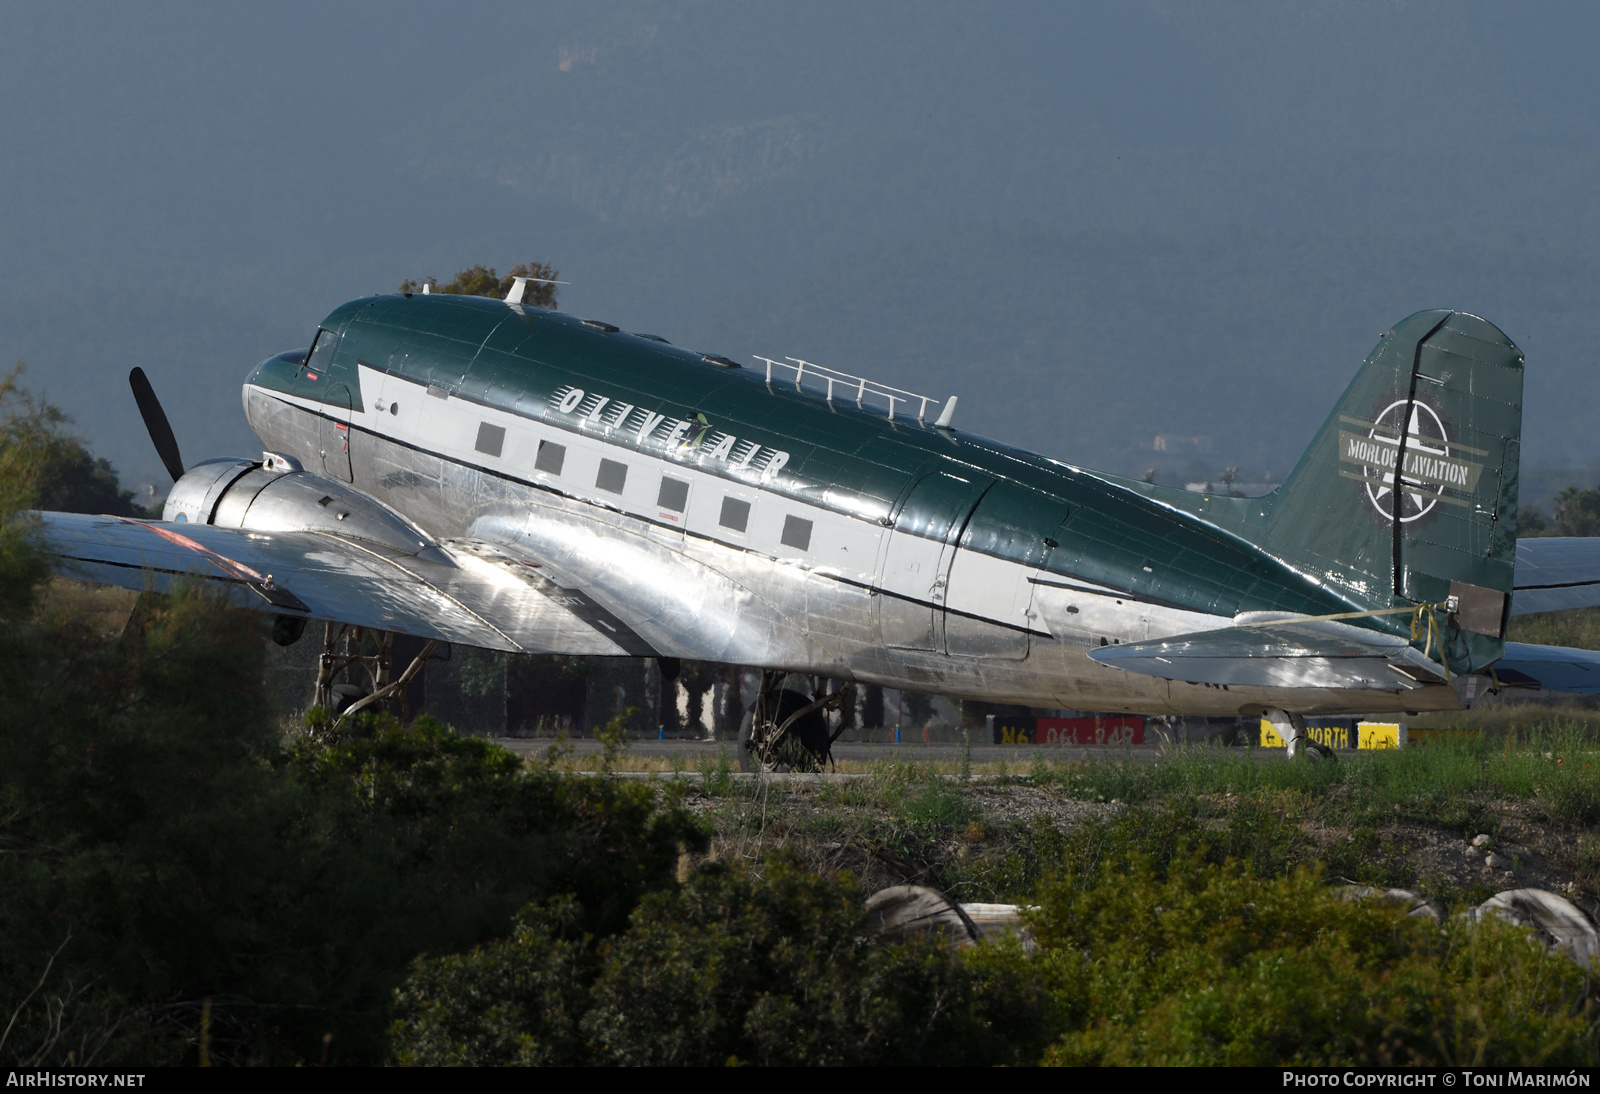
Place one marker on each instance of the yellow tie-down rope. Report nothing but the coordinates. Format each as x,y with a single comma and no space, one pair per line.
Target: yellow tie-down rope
1433,635
1418,613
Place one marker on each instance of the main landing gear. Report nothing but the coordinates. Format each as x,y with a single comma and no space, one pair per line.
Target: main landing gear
341,700
786,729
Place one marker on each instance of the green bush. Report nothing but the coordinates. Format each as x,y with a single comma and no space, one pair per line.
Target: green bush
1201,964
173,863
735,966
514,1002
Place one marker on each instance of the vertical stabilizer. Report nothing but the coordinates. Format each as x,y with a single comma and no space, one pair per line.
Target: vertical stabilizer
1408,494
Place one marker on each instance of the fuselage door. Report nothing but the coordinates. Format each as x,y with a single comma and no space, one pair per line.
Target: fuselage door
916,565
335,430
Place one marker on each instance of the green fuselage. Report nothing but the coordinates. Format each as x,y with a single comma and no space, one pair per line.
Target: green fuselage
871,546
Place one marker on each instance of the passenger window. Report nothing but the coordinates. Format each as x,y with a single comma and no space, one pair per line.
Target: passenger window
674,494
735,514
320,358
612,477
796,533
550,457
491,439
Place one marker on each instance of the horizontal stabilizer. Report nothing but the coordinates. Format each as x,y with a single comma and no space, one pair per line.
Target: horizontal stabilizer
1281,654
1556,575
1550,668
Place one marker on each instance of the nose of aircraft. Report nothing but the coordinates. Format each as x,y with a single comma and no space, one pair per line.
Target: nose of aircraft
280,366
279,373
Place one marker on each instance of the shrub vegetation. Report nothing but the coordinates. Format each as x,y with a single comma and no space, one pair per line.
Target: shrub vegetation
1194,962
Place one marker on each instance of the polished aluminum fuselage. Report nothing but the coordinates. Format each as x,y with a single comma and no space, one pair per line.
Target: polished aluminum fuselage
855,600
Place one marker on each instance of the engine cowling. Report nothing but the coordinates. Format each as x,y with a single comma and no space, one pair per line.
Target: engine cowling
276,494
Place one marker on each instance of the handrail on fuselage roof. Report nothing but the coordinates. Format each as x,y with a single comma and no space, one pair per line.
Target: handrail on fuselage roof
863,386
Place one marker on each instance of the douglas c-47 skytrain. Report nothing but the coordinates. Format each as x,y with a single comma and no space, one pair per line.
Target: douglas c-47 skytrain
482,472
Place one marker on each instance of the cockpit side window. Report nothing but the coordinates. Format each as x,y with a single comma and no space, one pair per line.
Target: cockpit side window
320,359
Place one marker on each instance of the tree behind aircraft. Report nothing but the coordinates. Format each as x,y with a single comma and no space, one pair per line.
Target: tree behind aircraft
1577,513
483,280
65,476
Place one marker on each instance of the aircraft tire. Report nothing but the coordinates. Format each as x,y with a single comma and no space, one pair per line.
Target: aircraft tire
344,695
287,629
810,732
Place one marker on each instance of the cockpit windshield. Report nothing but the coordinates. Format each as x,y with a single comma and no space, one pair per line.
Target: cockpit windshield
321,355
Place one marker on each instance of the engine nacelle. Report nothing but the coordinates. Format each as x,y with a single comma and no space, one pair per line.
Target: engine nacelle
275,494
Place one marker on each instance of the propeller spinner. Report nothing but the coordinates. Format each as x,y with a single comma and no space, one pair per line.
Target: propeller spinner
155,421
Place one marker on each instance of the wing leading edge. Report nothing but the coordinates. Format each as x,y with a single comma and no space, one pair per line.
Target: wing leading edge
484,600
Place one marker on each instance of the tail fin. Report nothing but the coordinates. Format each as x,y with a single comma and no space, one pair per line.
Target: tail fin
1441,398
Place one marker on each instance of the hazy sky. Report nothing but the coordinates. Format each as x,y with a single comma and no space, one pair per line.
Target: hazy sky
1095,223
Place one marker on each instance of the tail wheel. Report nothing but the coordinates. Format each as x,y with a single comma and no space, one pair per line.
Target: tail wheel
1319,752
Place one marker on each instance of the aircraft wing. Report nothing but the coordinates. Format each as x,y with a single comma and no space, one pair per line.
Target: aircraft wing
482,598
1305,654
1556,574
1550,668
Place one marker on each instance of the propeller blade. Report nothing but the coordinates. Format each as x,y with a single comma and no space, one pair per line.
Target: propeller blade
155,421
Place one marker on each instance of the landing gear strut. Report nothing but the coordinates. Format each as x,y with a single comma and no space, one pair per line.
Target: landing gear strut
343,700
787,730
